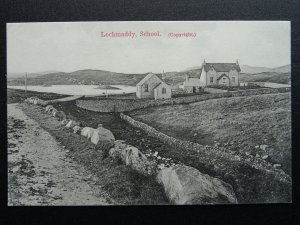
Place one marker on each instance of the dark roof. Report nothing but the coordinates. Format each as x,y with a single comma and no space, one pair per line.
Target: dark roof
147,77
160,84
195,74
223,75
157,85
222,67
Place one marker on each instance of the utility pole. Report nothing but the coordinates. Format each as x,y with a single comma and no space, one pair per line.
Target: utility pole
26,84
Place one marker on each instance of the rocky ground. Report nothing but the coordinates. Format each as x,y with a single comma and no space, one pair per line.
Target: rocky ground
39,171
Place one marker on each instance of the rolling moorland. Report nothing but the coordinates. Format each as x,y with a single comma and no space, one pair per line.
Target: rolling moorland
241,124
101,77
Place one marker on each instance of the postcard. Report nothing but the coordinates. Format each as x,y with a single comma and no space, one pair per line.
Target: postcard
149,113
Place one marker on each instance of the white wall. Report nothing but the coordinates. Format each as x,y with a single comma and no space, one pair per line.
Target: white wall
158,92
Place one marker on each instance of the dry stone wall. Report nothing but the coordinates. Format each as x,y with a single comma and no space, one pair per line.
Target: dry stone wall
211,154
125,105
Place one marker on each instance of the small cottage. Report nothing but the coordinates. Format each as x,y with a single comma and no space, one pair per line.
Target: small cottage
151,86
192,83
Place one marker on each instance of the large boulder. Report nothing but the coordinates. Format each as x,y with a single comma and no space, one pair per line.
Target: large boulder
186,185
134,158
103,138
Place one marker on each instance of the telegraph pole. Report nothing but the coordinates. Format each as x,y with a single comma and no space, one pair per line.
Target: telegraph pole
26,84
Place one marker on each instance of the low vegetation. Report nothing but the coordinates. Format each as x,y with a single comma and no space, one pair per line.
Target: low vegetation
242,124
273,77
123,184
14,95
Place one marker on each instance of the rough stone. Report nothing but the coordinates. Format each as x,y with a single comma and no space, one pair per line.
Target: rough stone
263,147
186,185
132,157
103,138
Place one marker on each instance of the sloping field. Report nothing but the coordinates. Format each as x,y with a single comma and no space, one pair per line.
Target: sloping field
274,77
240,124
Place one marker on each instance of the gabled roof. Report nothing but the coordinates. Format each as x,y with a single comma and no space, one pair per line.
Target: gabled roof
222,67
160,84
223,75
195,74
157,85
147,77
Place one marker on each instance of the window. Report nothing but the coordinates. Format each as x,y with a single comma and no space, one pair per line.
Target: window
233,79
224,80
164,90
146,88
211,80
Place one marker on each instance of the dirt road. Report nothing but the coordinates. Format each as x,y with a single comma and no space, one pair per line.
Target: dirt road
39,170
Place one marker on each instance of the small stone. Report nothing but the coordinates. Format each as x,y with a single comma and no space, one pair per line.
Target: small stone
158,157
263,147
67,151
257,146
257,155
276,165
265,157
247,153
155,154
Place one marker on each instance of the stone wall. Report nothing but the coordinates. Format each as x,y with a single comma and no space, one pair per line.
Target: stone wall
217,157
214,90
125,105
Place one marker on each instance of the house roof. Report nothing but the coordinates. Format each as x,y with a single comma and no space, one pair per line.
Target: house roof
147,77
221,67
195,74
223,75
160,84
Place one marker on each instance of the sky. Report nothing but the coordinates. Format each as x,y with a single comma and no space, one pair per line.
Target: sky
71,46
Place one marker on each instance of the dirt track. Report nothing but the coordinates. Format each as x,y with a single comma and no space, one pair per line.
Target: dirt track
39,171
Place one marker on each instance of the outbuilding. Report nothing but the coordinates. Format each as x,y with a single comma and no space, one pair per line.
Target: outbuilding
151,86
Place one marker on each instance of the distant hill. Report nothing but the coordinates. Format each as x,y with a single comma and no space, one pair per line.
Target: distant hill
80,77
19,75
192,68
102,77
256,70
282,69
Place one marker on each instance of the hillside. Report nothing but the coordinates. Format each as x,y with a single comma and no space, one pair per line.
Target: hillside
80,77
98,77
239,123
257,70
274,77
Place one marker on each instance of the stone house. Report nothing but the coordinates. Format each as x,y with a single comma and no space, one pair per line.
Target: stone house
212,74
227,74
151,86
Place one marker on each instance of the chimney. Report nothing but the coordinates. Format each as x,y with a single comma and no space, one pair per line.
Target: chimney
204,62
163,76
237,62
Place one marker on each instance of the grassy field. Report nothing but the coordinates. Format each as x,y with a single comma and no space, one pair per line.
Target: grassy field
281,78
241,124
228,117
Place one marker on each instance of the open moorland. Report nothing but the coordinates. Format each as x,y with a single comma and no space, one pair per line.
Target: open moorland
242,124
257,125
